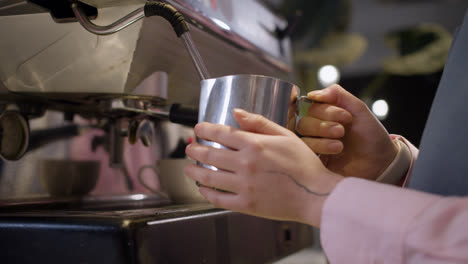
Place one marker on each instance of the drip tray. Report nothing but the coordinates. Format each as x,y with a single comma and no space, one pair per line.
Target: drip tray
124,229
86,203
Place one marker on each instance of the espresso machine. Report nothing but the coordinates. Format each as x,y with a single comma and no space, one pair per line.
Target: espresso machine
91,92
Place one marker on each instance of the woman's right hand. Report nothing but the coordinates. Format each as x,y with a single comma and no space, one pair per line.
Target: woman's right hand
351,141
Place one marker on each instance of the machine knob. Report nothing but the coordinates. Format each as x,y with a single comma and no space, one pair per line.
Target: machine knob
14,135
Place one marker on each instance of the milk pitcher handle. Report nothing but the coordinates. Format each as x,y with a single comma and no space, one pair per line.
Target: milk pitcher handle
300,100
305,99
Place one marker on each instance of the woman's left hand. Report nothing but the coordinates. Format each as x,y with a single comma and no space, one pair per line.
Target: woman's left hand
267,171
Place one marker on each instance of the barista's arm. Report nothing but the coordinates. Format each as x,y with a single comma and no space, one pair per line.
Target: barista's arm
367,222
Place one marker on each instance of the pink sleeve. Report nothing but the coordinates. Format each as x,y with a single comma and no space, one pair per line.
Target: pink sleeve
367,222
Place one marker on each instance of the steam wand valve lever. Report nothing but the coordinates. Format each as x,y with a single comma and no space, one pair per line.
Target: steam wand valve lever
293,21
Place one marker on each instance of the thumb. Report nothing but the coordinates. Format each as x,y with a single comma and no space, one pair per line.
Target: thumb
257,123
338,96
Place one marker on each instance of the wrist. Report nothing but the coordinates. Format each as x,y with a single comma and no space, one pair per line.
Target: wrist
314,205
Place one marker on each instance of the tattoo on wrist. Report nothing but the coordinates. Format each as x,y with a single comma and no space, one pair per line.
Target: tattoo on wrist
302,185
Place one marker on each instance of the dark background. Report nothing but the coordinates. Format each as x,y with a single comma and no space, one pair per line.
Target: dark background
409,97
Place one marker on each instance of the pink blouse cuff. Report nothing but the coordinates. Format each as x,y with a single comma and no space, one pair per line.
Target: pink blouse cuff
413,153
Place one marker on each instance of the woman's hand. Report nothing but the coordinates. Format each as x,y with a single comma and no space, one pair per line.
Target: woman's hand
349,137
267,170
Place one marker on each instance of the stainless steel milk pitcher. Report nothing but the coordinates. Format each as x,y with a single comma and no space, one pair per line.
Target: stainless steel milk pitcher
270,97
